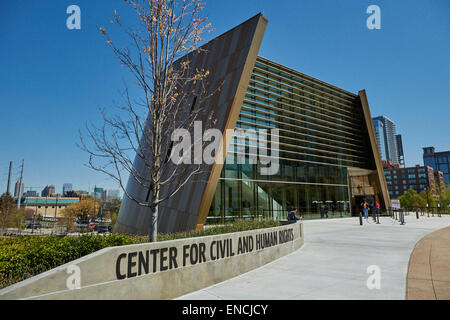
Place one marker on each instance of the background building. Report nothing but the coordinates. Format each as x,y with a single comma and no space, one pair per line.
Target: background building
401,155
31,193
379,133
438,161
390,165
77,194
389,144
419,178
47,207
66,187
48,191
113,194
19,189
99,193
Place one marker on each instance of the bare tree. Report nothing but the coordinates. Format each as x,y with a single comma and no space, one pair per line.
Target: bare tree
159,62
7,209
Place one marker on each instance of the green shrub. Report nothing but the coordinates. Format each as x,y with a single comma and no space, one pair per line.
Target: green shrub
25,256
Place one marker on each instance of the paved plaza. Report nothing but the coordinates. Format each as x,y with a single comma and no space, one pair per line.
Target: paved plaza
334,262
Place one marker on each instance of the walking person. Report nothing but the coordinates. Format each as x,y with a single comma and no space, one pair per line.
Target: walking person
377,208
372,211
366,210
324,211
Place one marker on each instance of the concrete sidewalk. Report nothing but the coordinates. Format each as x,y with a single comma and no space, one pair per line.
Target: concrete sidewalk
333,263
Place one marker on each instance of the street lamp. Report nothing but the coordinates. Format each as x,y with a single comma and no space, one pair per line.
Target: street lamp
56,209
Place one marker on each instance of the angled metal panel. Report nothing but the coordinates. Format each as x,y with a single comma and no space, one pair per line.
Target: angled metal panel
230,59
380,178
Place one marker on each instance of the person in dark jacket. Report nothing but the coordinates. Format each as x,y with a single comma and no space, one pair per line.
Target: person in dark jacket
292,216
324,210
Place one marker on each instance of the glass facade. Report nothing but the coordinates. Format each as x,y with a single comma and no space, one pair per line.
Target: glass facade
388,143
379,133
438,161
320,135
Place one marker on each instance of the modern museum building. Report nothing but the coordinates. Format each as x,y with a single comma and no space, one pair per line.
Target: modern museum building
327,151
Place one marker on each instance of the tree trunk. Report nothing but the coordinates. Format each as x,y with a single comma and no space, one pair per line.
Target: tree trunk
153,232
154,209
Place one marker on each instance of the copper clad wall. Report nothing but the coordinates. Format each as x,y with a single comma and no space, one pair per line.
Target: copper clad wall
230,59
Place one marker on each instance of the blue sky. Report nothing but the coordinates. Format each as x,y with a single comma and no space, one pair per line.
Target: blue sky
52,80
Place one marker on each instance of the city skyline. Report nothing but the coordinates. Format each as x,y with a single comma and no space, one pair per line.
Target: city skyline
72,72
38,191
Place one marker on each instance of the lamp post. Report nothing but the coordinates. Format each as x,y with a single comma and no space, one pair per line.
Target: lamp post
56,209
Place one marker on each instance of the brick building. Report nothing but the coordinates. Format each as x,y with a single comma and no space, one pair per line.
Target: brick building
419,178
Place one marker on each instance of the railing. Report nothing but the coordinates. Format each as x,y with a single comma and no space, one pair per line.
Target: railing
277,214
428,211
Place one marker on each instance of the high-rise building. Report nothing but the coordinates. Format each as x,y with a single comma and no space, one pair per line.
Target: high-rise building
438,161
379,133
99,193
327,154
19,189
401,155
113,194
66,187
48,191
386,139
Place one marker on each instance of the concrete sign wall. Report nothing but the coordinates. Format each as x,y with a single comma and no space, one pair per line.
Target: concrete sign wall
161,270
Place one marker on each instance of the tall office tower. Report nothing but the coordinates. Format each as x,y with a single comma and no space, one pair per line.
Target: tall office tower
438,161
326,155
401,155
18,189
66,187
98,192
113,194
379,133
388,141
48,191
